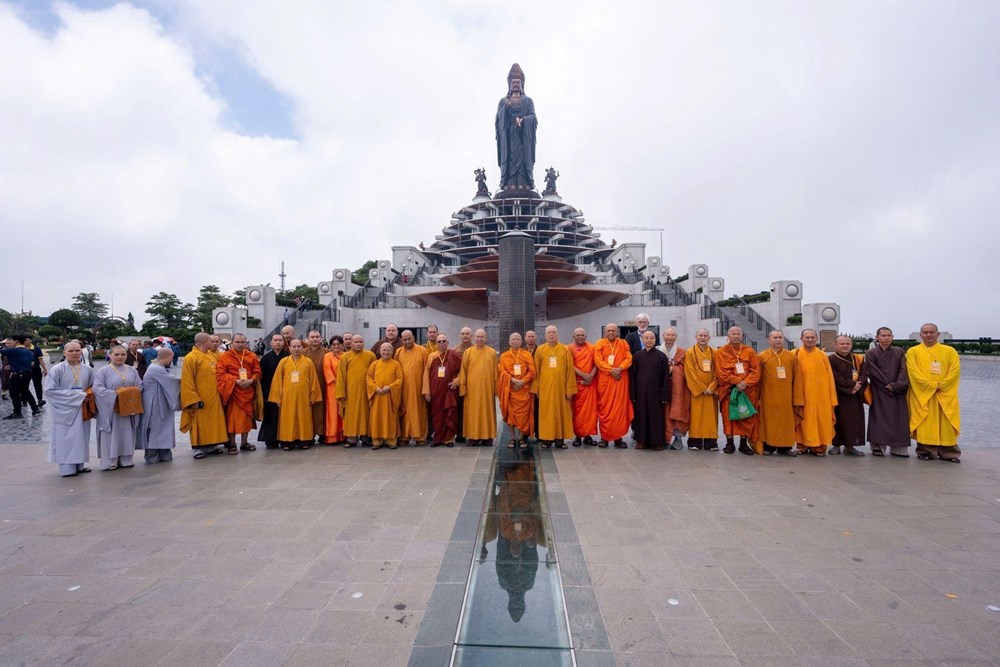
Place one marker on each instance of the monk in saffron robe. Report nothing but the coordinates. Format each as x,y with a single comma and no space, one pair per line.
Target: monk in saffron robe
677,410
295,388
699,374
814,396
776,426
935,420
384,384
736,366
202,415
585,400
555,385
238,376
516,370
413,408
464,343
477,384
333,428
530,346
66,388
888,415
441,391
650,391
116,434
352,390
850,377
268,431
614,409
315,352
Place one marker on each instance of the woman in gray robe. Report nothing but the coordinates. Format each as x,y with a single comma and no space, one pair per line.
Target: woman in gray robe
115,433
65,389
161,398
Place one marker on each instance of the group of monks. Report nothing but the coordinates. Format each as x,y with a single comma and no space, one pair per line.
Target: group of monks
399,392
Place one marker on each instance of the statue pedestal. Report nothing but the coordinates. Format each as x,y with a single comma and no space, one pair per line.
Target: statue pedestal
517,193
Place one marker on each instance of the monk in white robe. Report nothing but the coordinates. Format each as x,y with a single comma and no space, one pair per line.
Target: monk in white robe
115,434
65,389
161,398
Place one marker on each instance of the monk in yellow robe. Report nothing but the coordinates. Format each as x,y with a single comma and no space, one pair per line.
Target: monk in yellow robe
315,352
555,385
699,373
352,390
202,415
585,400
677,411
413,407
736,366
814,396
384,383
935,420
614,409
477,384
516,370
238,376
464,343
295,389
333,431
776,426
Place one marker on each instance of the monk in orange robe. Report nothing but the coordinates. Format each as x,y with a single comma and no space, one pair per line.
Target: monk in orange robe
516,370
776,427
413,408
333,433
385,391
585,399
699,372
614,408
315,352
238,375
736,365
814,396
676,411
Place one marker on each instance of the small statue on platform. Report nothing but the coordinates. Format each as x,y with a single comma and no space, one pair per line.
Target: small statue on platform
550,182
482,191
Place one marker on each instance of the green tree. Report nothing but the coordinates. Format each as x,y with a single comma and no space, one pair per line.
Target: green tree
306,292
65,319
49,331
90,307
6,323
239,298
360,277
167,311
130,329
26,323
209,298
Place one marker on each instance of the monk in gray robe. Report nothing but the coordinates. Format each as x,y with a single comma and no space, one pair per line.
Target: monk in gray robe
115,433
161,398
65,389
888,415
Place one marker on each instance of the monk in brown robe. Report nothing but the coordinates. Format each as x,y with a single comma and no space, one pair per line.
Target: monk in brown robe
238,375
315,352
614,409
736,366
391,337
699,373
413,408
888,415
850,375
385,391
333,430
585,399
677,410
441,391
814,396
516,370
776,426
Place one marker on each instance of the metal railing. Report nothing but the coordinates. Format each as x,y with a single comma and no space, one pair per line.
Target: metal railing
292,318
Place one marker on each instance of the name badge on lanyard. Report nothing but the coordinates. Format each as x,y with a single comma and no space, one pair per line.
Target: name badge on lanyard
517,369
740,370
243,373
295,377
854,375
553,362
935,367
611,360
781,373
706,365
440,371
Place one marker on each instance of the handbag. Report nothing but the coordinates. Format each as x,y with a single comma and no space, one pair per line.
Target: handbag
740,405
89,407
129,401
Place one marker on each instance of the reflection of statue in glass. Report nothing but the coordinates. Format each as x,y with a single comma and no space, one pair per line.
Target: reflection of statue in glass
515,523
515,125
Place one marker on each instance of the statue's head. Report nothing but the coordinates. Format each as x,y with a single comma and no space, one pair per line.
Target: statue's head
516,605
515,79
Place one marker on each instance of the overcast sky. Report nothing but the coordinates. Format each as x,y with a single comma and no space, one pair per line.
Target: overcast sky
167,145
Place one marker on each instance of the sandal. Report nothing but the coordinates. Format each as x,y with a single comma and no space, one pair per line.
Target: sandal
523,444
602,443
924,457
199,455
877,452
561,444
248,447
545,445
953,459
232,450
512,444
305,445
286,448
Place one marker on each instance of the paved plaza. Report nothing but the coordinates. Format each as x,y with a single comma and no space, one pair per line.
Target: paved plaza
356,557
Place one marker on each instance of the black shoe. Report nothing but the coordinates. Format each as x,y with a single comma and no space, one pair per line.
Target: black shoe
35,413
785,451
16,415
851,451
712,447
729,448
436,444
577,442
41,403
589,441
745,449
620,444
460,439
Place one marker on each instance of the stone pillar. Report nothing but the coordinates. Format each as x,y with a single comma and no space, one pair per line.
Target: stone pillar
516,296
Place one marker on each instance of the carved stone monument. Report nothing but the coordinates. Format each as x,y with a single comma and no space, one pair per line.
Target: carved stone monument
515,130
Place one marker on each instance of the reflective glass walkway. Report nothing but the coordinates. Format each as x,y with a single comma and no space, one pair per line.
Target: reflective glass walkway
514,612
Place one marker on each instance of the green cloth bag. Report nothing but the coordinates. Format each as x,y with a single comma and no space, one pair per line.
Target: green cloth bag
740,406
